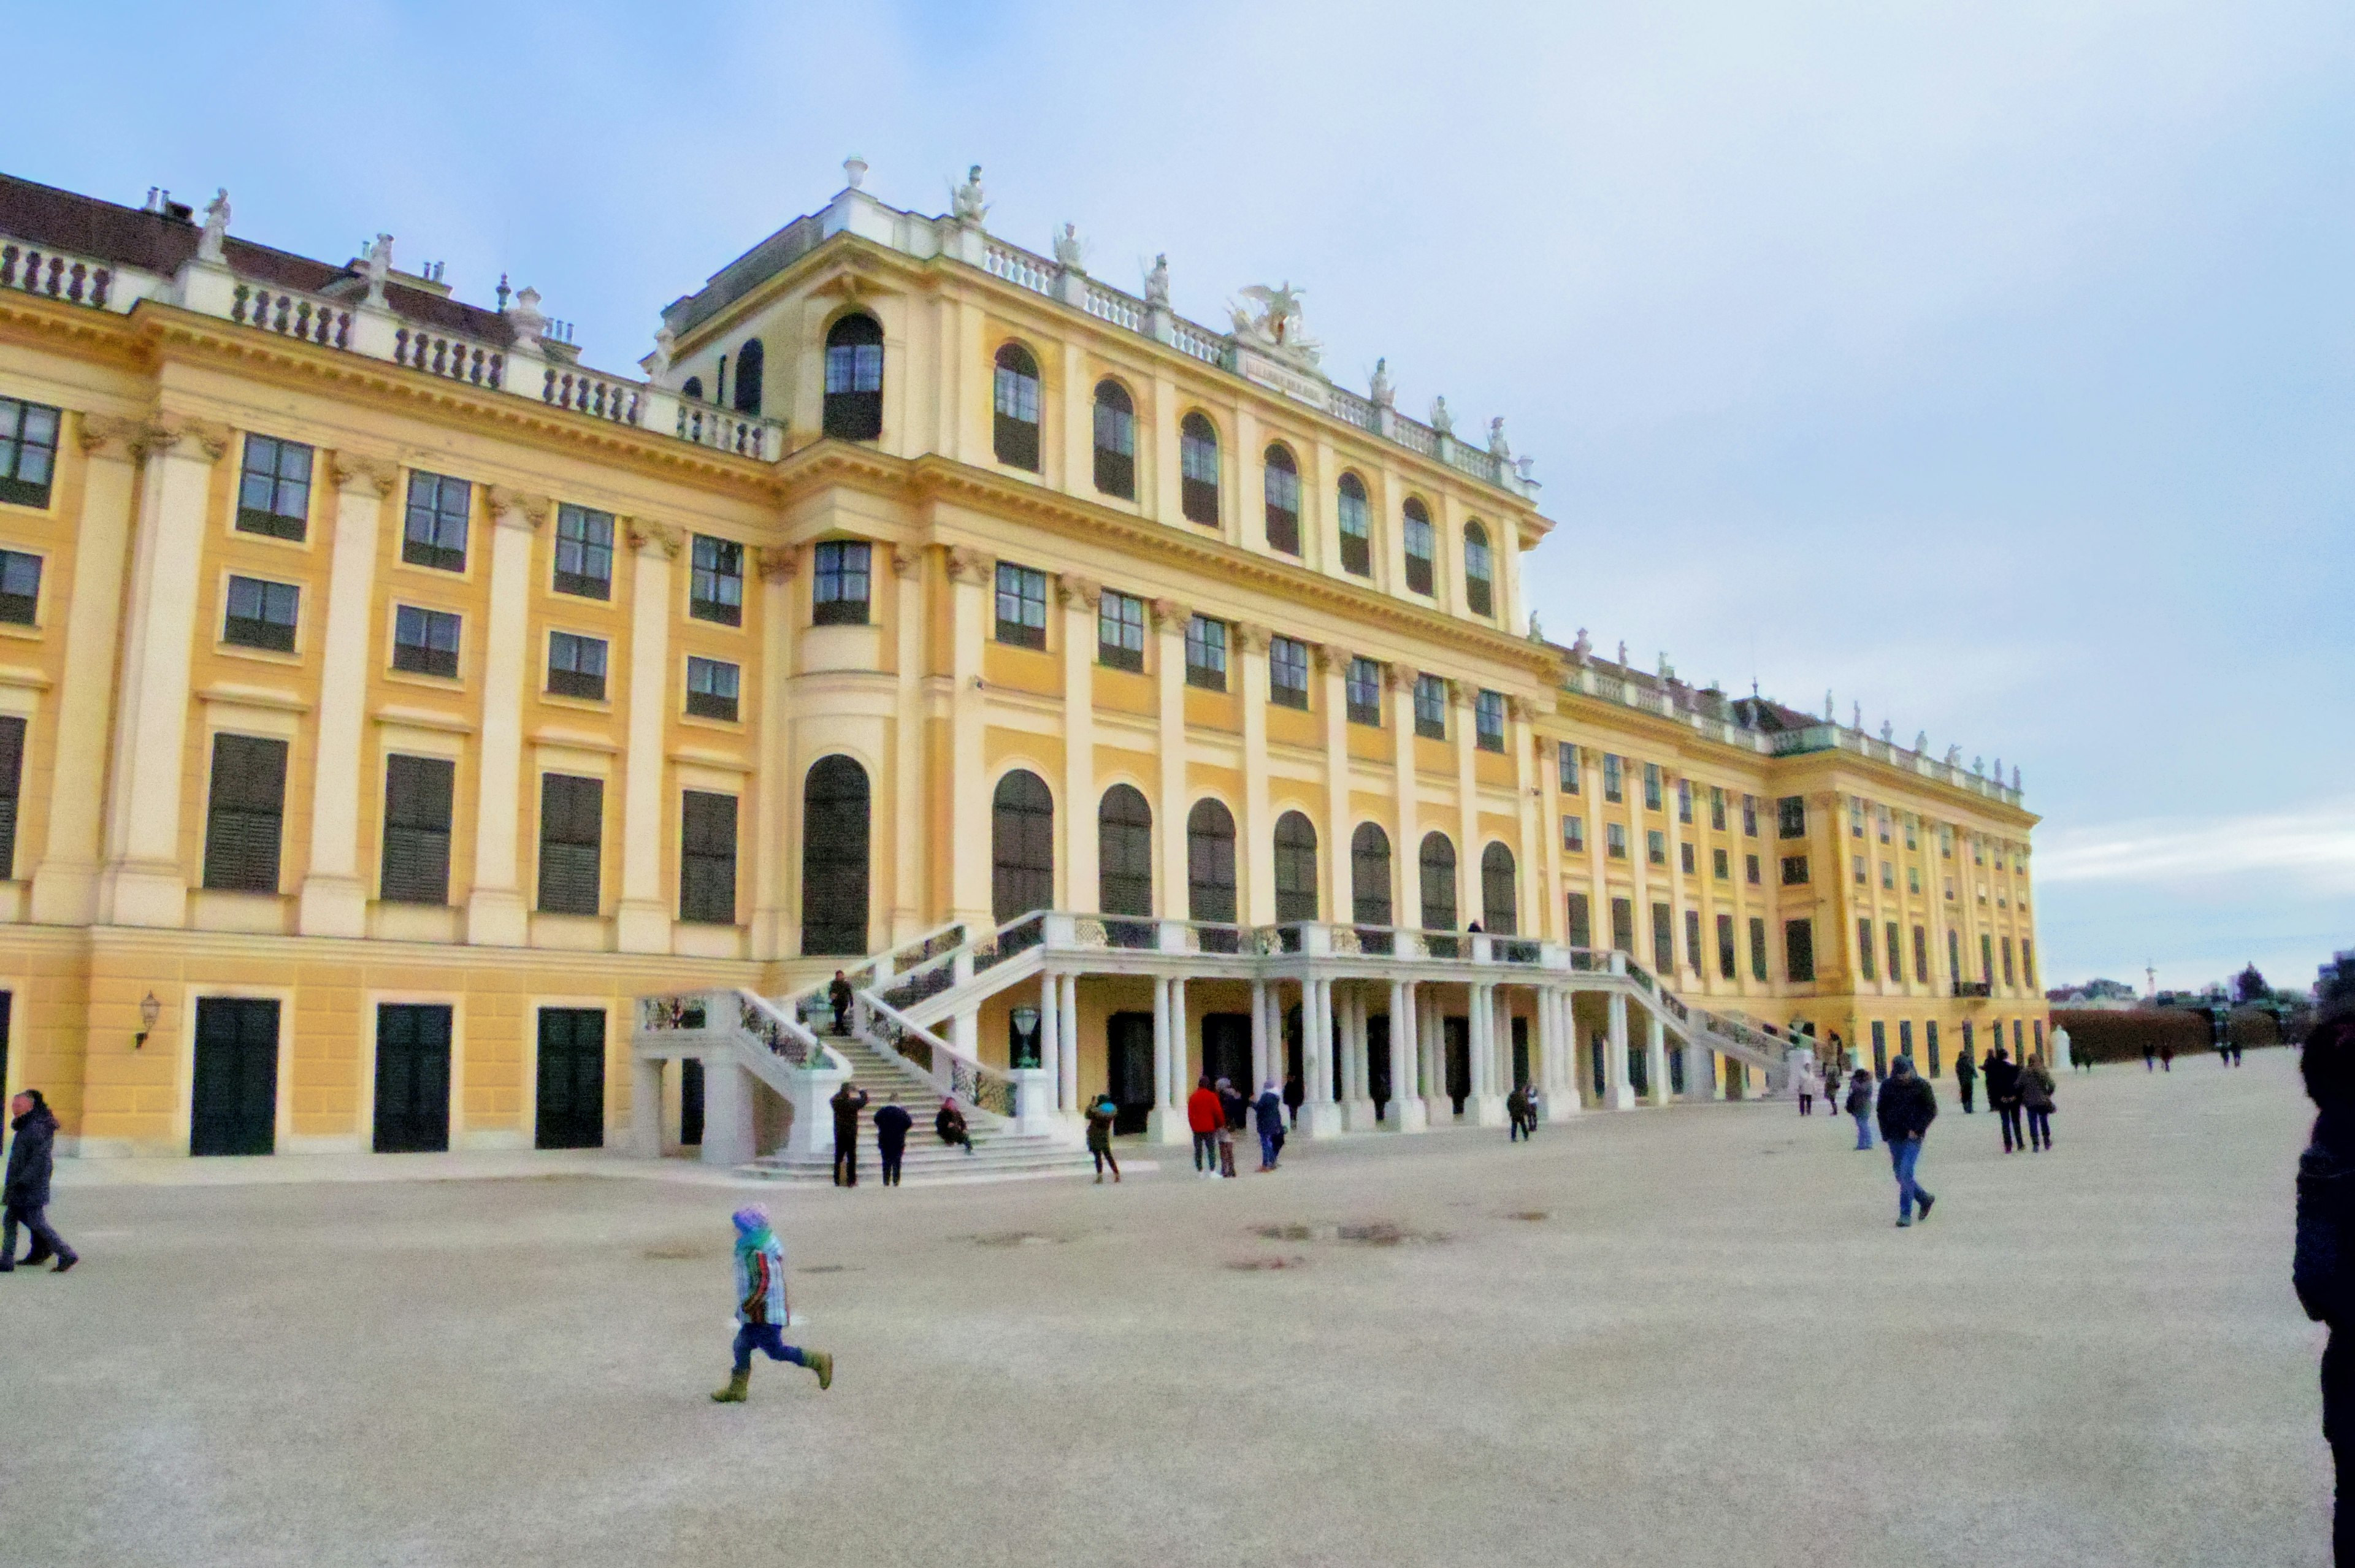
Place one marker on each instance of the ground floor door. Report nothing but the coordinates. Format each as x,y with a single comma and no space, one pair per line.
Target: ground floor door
1520,1052
1226,1050
233,1107
1378,1060
1128,1069
1639,1067
571,1079
691,1102
1457,1032
1676,1069
412,1079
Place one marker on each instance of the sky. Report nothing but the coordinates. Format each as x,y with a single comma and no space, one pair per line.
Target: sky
1988,365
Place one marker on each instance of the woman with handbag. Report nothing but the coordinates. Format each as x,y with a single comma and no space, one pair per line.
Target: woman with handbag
2036,1099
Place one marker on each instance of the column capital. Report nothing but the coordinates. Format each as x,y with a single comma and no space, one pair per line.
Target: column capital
775,563
1075,590
518,510
1252,636
966,564
1398,677
645,537
351,471
106,435
1330,657
1459,692
906,559
166,431
1170,616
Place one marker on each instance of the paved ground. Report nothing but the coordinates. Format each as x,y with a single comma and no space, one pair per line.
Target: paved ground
1674,1338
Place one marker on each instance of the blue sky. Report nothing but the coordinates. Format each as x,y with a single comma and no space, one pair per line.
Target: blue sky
1990,365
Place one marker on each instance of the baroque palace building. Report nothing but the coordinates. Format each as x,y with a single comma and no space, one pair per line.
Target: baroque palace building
411,738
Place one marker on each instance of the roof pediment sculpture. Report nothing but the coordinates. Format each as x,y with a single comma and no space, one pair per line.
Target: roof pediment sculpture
1581,648
1856,717
968,203
1888,733
1953,756
1537,633
375,266
1156,283
1277,325
1921,742
1622,653
1497,446
1832,713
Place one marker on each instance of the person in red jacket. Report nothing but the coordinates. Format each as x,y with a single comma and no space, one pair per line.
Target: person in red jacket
1205,1115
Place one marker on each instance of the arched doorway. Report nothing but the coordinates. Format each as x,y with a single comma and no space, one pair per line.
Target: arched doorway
835,800
1124,865
1437,867
1021,845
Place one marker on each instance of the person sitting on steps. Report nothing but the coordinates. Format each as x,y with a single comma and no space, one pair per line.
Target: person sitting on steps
950,1124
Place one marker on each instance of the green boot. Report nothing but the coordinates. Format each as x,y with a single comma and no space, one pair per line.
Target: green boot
738,1382
822,1363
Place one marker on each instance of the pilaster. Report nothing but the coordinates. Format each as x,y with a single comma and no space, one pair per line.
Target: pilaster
1332,673
908,859
1258,826
496,911
969,892
643,919
1169,621
334,893
776,814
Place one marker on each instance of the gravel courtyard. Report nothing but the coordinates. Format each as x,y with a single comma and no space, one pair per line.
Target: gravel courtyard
1678,1337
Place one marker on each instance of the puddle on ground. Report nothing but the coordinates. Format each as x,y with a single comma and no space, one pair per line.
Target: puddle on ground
1019,1238
1372,1233
1261,1265
827,1268
1530,1214
682,1252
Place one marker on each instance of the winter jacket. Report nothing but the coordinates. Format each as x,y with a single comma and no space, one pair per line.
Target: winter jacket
2002,1077
891,1124
29,1159
1233,1108
1860,1097
1268,1111
1966,1070
760,1281
1100,1120
1203,1113
1908,1106
2323,1269
948,1124
2036,1089
847,1106
1811,1083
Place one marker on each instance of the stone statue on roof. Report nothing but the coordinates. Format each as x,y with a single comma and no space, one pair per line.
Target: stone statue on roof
1668,670
1156,283
1069,254
1830,712
1278,324
1444,423
1979,766
1581,648
1622,653
1953,756
1537,633
1380,388
209,244
1998,770
1921,742
375,266
2015,776
1888,733
1497,445
1856,717
968,202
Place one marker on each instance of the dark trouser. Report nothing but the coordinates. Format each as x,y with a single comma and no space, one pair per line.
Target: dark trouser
1104,1158
957,1137
1806,1105
46,1243
2040,1128
890,1154
1226,1156
1206,1151
1267,1149
1863,1128
2012,1136
767,1338
841,1019
2338,1431
1965,1087
845,1160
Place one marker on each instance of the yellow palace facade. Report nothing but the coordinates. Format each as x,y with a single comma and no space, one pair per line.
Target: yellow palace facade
406,732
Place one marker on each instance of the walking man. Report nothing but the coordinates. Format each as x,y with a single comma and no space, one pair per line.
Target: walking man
2003,1097
761,1312
1908,1106
1517,1112
2324,1270
1205,1116
1966,1078
1267,1114
27,1192
837,997
848,1101
891,1124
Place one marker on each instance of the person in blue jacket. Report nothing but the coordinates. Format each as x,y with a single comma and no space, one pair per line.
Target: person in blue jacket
761,1312
1267,1115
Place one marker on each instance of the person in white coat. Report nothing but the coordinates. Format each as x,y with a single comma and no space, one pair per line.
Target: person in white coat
1809,1084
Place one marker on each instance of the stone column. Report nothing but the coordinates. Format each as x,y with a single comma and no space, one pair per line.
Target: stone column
1656,1058
1618,1093
1067,1018
643,920
144,882
1170,815
1258,826
65,881
1563,1099
1050,1036
496,911
1439,1107
727,1128
1700,1072
1321,1113
334,899
1080,598
1406,1108
969,796
1260,1001
1360,1115
1492,1039
1181,1066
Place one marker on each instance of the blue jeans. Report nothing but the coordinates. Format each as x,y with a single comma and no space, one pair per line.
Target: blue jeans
768,1338
1863,1128
1267,1147
1902,1155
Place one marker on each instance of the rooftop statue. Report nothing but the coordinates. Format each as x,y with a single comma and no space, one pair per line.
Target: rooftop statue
1979,766
968,202
1496,447
1921,741
1581,648
1856,717
1622,653
1279,324
1831,714
375,266
1444,423
1537,633
209,244
1888,733
1953,756
1380,388
1156,283
1069,254
2015,776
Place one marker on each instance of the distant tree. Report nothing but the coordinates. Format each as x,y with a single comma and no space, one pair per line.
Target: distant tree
2249,985
2336,980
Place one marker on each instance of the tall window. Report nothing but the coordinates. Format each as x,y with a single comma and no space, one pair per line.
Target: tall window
1565,759
1954,954
1864,950
1664,939
1795,870
585,552
1295,868
1757,948
837,825
28,452
1615,841
1365,692
1416,536
840,584
1720,865
1211,862
1435,865
706,857
1728,967
1477,572
1614,788
751,360
1791,816
854,378
1022,606
712,688
576,666
1431,707
261,615
418,792
1125,861
1799,951
244,810
1282,501
1206,654
1582,920
1015,431
425,642
433,532
1750,816
1115,440
1684,801
1198,470
1623,925
1499,903
273,493
1656,847
1692,939
1120,631
12,778
1573,834
1651,786
1894,949
1287,672
1489,712
1921,954
1356,536
716,589
571,843
1369,879
20,587
1716,807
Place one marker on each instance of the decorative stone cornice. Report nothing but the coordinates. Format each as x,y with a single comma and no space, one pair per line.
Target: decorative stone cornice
967,565
106,435
645,536
1075,590
352,472
775,563
518,510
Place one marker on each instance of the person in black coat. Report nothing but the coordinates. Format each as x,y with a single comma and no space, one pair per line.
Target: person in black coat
837,997
1908,1105
2323,1271
891,1124
25,1193
2003,1097
848,1101
1966,1078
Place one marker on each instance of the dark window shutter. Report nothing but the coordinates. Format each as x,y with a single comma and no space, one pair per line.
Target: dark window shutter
707,861
572,835
12,773
246,806
417,802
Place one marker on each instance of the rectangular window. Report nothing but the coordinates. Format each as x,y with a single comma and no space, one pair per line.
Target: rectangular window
1954,955
1880,1048
1912,833
1757,948
243,814
576,666
273,493
1888,876
1905,1038
1728,963
1986,958
1287,672
1656,847
1685,853
1893,944
1950,890
2006,946
1921,954
1856,819
1749,869
1357,539
28,452
1282,490
1120,631
1615,841
715,581
1565,758
424,642
1795,870
571,840
1022,606
1864,949
20,587
1573,833
1946,843
418,792
2037,1028
1365,689
1623,926
1651,786
1693,941
1720,865
1431,707
1930,1039
1206,654
1664,942
585,552
1488,715
1717,808
435,531
1417,538
1582,927
12,776
1684,801
1913,879
1791,816
1858,862
712,688
706,857
261,615
841,586
1799,951
1750,816
1880,822
2027,963
1614,790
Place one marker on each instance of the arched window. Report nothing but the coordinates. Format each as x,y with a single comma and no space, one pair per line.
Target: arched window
1115,440
1198,470
1211,862
1283,500
1021,845
1356,536
1369,883
1125,864
751,361
834,856
1476,571
1015,435
1438,882
1500,909
1295,868
693,388
854,378
1416,538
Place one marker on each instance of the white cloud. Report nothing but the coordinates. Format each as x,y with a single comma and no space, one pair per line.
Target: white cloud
2313,848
